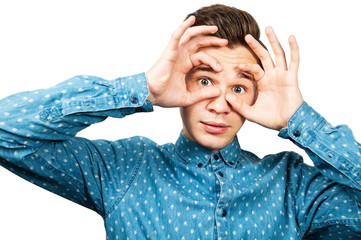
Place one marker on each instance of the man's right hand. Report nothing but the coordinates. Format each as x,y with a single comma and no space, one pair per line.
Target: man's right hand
166,78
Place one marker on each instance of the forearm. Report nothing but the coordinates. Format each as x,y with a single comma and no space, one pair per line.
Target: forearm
58,113
334,183
37,132
334,150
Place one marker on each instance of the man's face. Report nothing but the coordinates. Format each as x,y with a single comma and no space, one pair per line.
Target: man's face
212,123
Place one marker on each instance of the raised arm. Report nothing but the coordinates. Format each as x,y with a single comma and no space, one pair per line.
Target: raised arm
38,129
327,197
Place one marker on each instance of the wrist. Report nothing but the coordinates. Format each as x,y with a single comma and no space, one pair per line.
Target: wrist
295,112
304,125
151,96
292,109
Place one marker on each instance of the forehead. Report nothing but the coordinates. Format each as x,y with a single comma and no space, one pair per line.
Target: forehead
230,57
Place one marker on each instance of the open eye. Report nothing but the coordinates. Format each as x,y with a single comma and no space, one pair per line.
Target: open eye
205,81
238,89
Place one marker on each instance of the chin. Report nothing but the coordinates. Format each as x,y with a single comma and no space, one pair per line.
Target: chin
214,144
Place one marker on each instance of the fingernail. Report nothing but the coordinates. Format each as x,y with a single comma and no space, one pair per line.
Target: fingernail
229,97
248,37
269,29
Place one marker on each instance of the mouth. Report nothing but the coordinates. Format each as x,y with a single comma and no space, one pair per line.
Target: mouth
215,128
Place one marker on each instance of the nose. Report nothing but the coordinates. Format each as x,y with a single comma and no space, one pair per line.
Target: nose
219,104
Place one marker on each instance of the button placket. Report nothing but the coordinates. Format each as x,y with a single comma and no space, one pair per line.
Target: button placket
226,192
224,212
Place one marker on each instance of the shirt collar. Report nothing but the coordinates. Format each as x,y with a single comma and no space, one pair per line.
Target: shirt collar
191,152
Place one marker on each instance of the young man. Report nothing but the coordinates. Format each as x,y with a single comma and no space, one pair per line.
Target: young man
204,186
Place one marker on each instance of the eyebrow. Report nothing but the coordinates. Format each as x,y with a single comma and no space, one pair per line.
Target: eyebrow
204,69
240,74
245,75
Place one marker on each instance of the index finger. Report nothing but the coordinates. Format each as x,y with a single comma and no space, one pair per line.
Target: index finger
192,32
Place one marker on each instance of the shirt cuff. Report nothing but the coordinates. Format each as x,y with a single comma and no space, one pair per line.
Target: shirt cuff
303,126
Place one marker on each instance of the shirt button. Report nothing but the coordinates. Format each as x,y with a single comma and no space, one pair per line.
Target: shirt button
199,165
216,157
134,100
220,174
297,133
224,212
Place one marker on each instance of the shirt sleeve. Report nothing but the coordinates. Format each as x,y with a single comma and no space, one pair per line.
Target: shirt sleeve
327,197
38,143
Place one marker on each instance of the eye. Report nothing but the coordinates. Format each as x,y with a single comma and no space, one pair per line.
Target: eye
238,89
205,81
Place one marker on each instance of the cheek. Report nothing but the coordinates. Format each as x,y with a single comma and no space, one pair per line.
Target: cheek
236,119
183,113
188,114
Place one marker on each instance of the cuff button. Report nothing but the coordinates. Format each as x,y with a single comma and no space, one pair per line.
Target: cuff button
297,133
134,100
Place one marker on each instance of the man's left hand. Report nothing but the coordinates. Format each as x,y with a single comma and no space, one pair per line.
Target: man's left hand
278,95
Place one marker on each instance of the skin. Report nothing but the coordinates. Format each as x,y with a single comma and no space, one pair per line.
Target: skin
172,83
212,122
278,95
166,78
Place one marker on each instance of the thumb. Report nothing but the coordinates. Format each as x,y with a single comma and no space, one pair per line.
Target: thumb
240,107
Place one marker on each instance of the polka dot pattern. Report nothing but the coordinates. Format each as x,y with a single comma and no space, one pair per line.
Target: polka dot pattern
181,191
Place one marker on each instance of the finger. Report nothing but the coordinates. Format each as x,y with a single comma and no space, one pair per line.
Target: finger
260,51
277,49
197,31
179,32
205,41
295,55
254,69
241,108
201,94
203,58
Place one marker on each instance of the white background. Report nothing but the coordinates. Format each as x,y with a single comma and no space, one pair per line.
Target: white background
44,42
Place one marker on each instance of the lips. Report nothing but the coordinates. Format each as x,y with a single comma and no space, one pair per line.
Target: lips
214,127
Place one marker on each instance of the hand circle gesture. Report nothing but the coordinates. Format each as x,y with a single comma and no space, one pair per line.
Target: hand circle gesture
166,79
278,95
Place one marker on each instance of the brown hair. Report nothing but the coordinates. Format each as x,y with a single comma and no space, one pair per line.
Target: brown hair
233,24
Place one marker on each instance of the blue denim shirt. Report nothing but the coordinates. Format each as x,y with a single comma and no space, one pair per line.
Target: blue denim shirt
181,191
